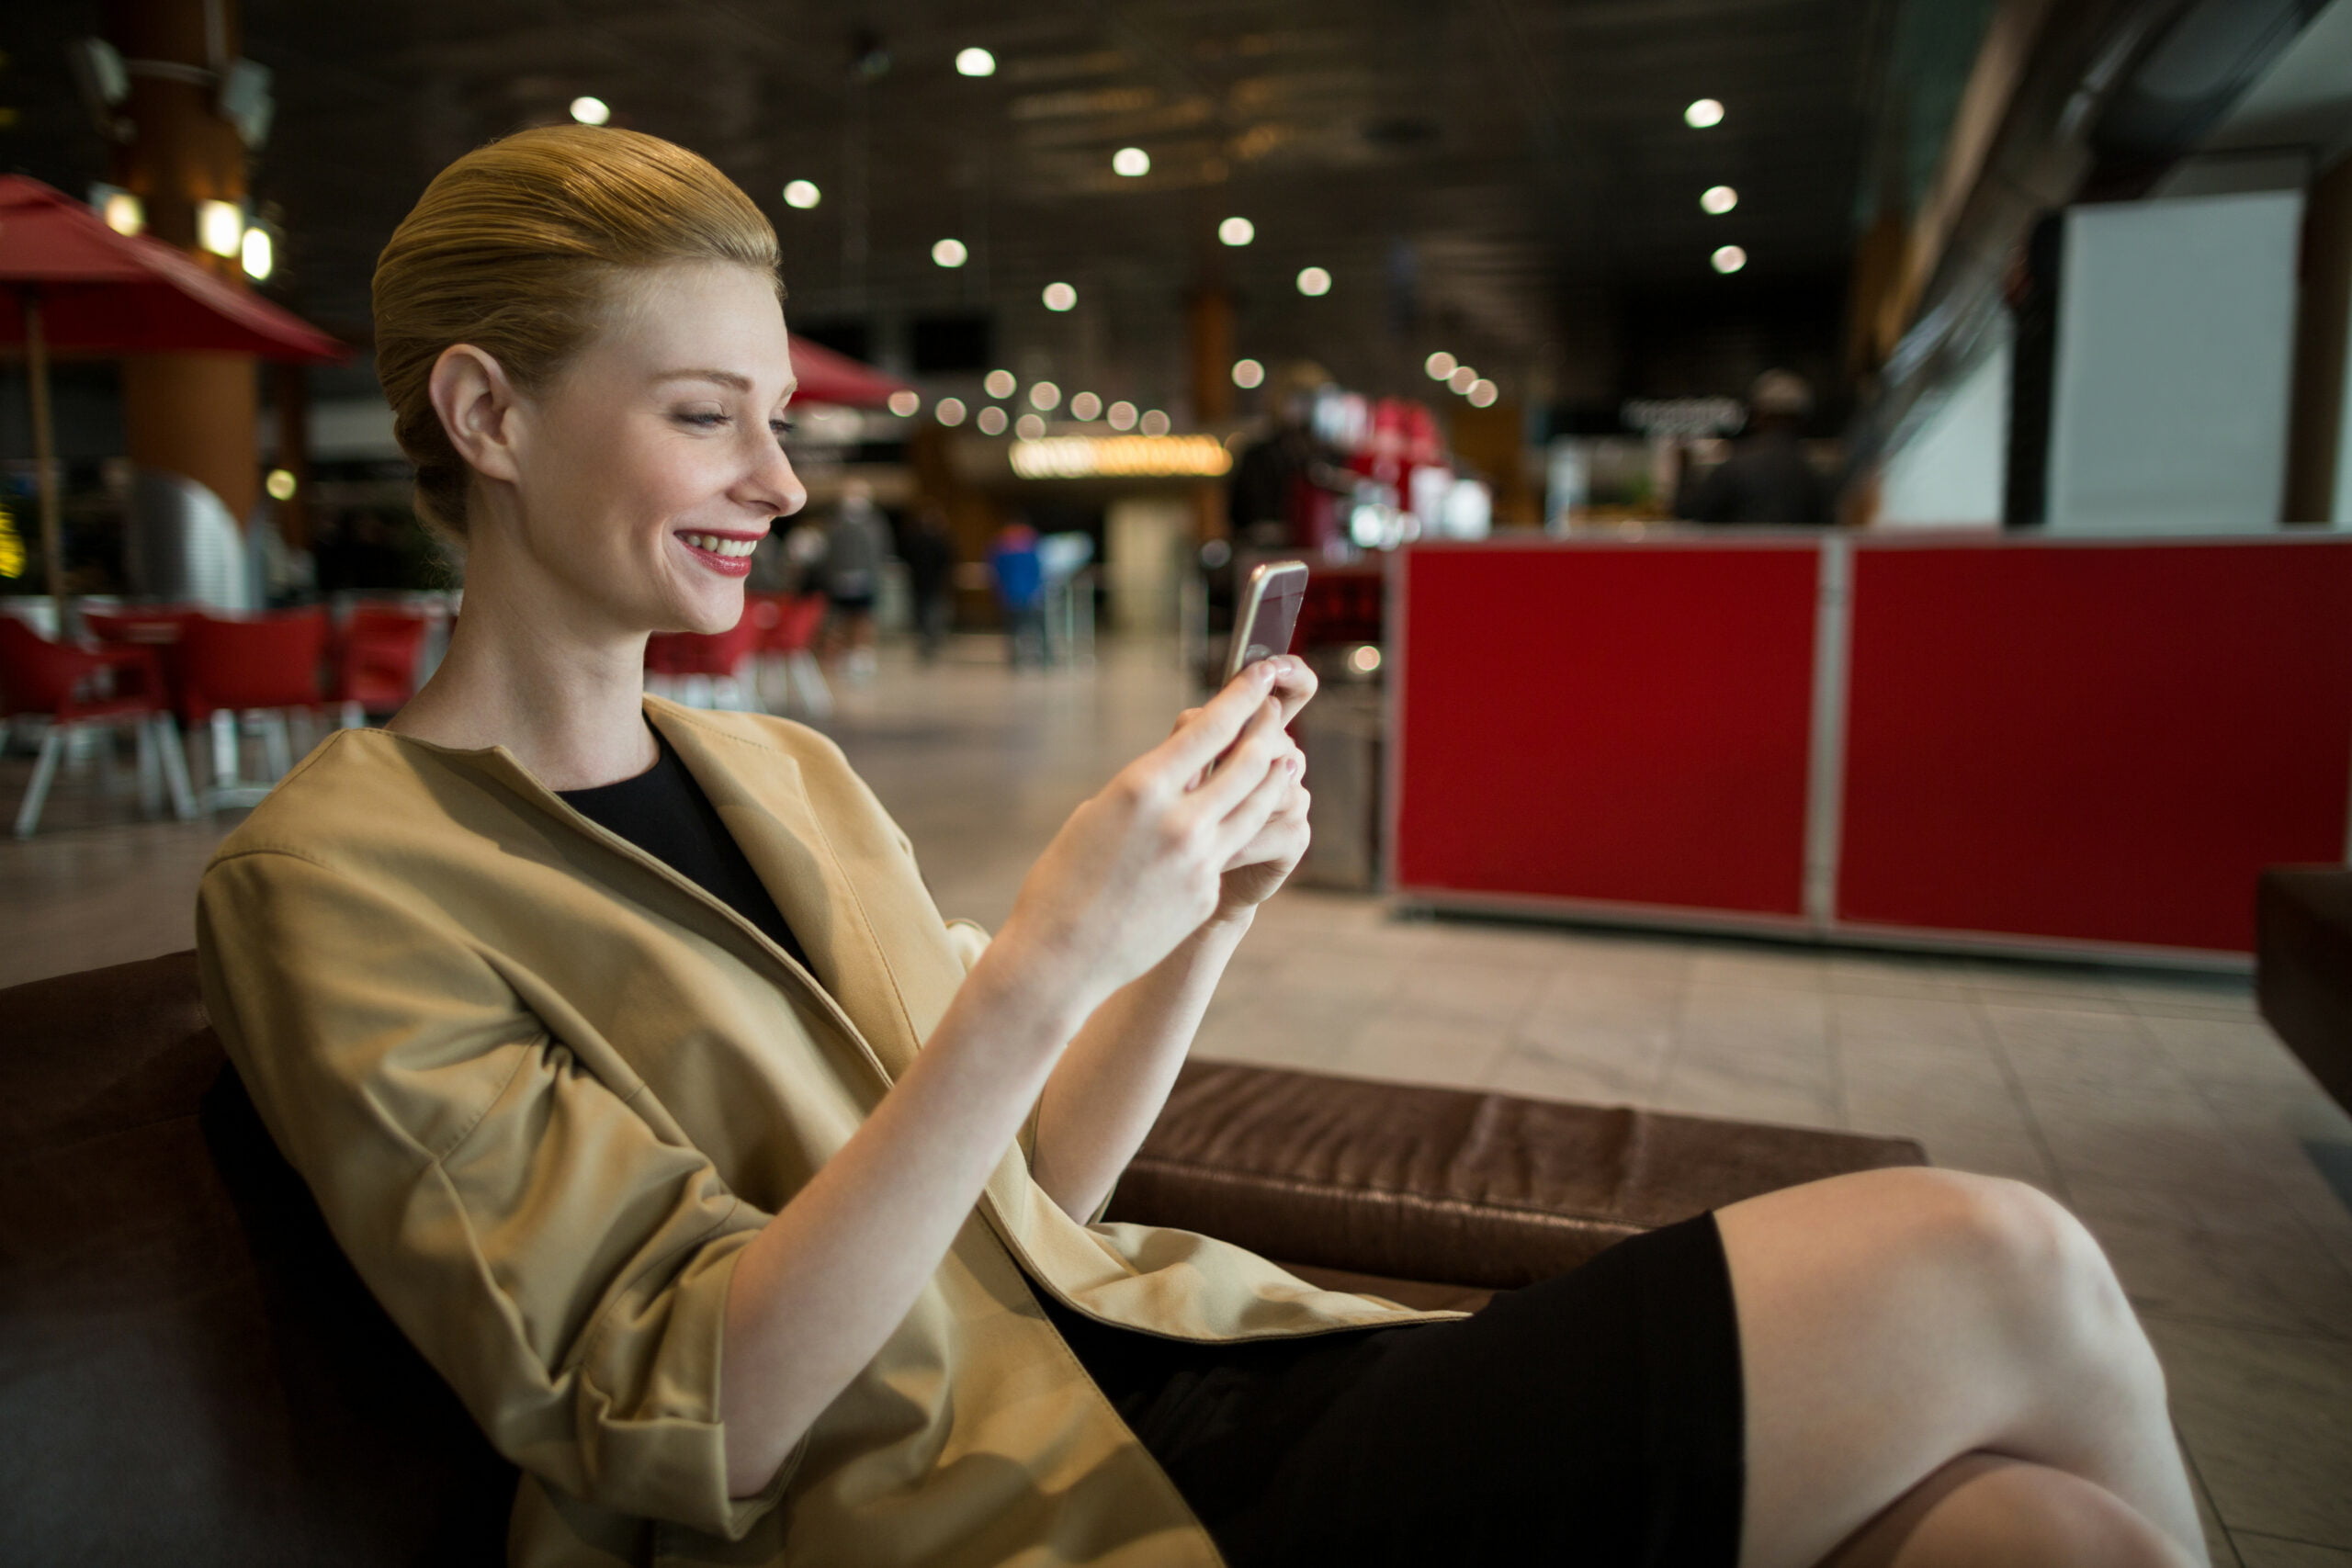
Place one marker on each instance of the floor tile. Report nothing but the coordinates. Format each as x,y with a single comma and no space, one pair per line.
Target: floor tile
2256,1551
2189,1255
2268,1418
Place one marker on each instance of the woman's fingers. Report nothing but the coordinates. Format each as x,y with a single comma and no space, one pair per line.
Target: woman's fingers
1260,743
1294,684
1249,819
1213,726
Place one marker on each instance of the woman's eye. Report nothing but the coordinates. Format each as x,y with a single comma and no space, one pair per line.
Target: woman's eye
783,427
703,420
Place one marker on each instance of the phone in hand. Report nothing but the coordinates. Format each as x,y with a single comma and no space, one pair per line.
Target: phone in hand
1268,614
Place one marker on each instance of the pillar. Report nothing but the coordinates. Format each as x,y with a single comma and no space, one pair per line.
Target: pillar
187,413
1209,338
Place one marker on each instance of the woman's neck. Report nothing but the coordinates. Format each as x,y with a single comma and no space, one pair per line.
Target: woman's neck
533,674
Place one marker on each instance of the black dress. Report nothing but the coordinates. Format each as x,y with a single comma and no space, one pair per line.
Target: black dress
1593,1419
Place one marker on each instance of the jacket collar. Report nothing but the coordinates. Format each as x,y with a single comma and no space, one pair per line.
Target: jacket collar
757,788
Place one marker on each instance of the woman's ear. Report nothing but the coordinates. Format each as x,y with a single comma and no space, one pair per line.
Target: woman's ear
475,402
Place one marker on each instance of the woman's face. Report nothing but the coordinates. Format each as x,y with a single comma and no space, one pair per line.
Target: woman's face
653,463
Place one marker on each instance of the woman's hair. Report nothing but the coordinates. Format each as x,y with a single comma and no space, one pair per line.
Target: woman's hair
518,249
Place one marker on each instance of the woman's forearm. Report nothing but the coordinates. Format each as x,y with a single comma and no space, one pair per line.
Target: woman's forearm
1110,1085
828,1279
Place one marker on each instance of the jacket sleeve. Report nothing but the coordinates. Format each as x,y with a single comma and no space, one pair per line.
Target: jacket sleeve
548,1239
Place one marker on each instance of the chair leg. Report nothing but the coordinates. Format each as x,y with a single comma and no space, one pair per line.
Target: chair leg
224,749
816,696
52,744
151,773
277,744
175,755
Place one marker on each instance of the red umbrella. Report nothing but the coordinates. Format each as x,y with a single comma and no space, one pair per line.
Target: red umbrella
826,376
79,286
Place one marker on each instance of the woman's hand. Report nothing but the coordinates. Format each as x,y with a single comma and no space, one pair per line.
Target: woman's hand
1263,864
1142,865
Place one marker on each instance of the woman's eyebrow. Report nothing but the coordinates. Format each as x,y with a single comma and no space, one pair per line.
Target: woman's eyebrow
724,378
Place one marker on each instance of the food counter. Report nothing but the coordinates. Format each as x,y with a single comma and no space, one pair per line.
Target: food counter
2083,747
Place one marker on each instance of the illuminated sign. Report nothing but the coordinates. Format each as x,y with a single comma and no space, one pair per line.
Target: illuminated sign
1121,457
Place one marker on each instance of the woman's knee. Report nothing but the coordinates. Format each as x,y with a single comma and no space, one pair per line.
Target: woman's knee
2032,1265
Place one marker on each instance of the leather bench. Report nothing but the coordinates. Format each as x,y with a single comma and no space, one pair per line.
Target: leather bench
190,1373
2302,967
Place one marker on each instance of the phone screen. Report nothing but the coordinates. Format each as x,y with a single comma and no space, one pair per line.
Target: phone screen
1271,605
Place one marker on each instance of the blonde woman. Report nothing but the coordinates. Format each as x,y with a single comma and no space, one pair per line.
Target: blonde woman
747,1202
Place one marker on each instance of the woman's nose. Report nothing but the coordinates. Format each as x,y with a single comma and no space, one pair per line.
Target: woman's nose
773,483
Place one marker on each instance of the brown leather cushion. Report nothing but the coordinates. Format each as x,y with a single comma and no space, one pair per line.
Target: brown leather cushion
1448,1185
189,1371
2302,974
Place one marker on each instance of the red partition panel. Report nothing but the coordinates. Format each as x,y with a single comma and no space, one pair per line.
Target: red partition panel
2093,741
1595,722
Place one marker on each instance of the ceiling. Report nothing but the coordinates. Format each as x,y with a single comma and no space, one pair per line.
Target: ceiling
1510,180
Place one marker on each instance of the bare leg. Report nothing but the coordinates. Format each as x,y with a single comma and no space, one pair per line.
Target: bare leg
1893,1322
1984,1510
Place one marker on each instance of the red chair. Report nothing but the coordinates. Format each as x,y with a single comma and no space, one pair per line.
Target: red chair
74,687
789,625
705,672
156,626
256,668
375,660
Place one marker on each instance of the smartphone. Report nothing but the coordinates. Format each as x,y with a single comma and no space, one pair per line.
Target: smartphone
1267,615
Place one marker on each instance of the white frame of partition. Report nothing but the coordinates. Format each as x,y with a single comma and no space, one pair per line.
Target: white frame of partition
1825,765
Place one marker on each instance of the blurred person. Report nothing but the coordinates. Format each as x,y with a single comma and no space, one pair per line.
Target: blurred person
857,541
929,551
1282,495
750,1205
1018,570
1767,478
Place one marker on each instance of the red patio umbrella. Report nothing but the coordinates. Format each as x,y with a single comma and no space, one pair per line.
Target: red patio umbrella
79,286
827,376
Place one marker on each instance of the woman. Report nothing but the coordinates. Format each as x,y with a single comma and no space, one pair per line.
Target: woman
745,1200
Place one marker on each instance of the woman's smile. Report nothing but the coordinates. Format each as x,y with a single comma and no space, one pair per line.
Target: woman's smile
730,554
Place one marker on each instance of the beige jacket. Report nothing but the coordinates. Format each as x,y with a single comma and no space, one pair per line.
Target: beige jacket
546,1088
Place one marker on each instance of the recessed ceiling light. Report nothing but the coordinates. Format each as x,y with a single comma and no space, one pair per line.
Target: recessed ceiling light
1044,396
219,227
1029,427
1122,415
1728,258
1155,423
904,403
991,421
802,194
999,383
257,254
1703,113
1462,378
1085,405
1312,281
1132,162
1060,297
975,62
1248,373
950,253
591,111
948,410
1719,199
1483,393
1439,365
1237,231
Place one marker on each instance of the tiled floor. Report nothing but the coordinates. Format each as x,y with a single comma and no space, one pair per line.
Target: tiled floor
2157,1106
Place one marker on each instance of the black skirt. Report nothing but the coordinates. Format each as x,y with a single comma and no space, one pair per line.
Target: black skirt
1596,1417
